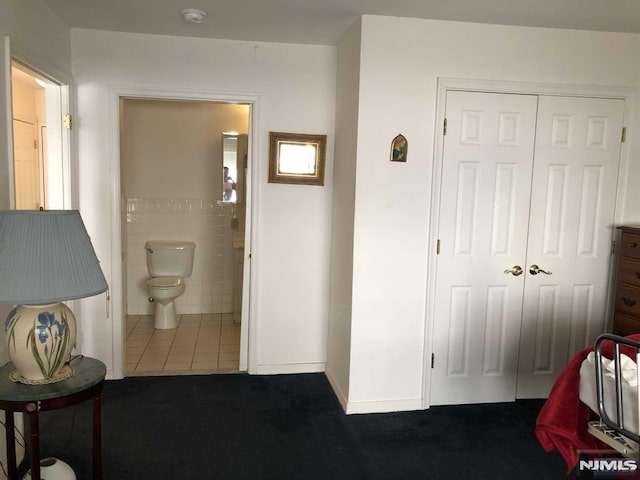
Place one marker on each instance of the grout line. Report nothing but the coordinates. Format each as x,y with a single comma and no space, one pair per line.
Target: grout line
219,344
145,346
163,370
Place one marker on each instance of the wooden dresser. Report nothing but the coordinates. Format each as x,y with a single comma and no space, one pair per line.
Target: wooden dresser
626,318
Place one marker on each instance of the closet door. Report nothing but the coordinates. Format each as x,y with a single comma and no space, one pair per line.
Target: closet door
486,181
577,154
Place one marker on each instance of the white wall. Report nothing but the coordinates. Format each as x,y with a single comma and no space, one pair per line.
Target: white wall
398,79
174,149
296,89
344,183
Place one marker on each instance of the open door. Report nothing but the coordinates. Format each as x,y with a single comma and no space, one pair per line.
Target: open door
38,156
38,146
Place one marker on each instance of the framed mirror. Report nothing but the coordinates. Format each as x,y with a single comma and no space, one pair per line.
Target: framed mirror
234,164
297,158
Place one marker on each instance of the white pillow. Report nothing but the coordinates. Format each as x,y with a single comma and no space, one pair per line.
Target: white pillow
628,368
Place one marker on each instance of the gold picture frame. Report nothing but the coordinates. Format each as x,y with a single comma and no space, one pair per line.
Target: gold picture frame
297,158
399,149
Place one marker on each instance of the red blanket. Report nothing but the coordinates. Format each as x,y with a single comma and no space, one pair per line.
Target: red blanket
562,422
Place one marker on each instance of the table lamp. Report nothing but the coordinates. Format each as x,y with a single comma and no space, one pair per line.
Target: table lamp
46,257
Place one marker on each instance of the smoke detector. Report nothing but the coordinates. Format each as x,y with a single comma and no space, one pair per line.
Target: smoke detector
193,15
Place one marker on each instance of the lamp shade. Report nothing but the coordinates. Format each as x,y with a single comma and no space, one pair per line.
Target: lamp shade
46,257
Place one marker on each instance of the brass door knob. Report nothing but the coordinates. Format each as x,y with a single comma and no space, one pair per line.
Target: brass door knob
515,271
535,269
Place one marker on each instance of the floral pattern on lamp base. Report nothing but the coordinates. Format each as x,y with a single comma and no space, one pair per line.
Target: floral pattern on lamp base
39,341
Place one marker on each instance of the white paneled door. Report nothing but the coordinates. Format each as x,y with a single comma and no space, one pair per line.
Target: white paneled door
528,187
573,194
488,162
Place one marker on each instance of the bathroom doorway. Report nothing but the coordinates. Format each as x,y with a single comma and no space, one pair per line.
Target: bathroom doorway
174,187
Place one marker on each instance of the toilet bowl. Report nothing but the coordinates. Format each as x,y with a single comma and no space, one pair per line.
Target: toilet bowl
163,291
168,262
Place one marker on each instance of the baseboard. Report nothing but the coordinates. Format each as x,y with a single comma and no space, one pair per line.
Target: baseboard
340,395
285,368
384,406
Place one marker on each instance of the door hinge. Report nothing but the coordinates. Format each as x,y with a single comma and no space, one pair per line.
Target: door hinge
67,121
624,134
433,359
438,247
444,129
613,247
35,144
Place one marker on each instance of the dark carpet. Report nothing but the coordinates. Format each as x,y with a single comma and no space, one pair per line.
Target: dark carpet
290,427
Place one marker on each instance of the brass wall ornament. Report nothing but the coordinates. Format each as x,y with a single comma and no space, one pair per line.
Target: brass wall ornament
399,147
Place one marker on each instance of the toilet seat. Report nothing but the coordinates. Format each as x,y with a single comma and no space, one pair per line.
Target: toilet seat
164,282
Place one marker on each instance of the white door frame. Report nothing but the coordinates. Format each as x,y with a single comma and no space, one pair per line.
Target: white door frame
446,84
249,296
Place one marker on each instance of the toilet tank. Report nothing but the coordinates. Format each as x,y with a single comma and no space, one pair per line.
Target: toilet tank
170,258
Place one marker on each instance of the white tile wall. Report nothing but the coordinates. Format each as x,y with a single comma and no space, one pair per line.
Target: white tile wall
205,222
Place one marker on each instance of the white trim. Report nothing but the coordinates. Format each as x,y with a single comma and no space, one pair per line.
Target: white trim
9,116
115,292
38,64
70,173
621,193
177,94
250,291
496,86
42,162
625,155
342,397
384,406
249,322
533,88
286,368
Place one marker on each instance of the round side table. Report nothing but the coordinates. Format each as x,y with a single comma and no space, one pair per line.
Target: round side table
86,382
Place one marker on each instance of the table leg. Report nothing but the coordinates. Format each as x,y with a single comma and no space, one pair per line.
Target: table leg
97,437
9,426
34,434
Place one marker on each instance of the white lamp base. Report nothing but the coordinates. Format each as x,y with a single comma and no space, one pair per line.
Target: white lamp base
39,341
53,469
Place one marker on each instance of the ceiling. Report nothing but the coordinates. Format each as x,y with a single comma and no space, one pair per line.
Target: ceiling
324,21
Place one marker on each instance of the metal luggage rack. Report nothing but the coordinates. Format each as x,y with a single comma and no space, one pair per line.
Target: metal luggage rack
612,432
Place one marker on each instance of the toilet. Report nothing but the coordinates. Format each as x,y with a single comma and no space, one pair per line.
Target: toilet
169,262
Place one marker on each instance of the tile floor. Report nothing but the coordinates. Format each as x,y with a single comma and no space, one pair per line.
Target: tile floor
206,343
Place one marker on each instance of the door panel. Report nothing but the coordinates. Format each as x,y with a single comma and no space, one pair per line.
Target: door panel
573,194
27,170
486,179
